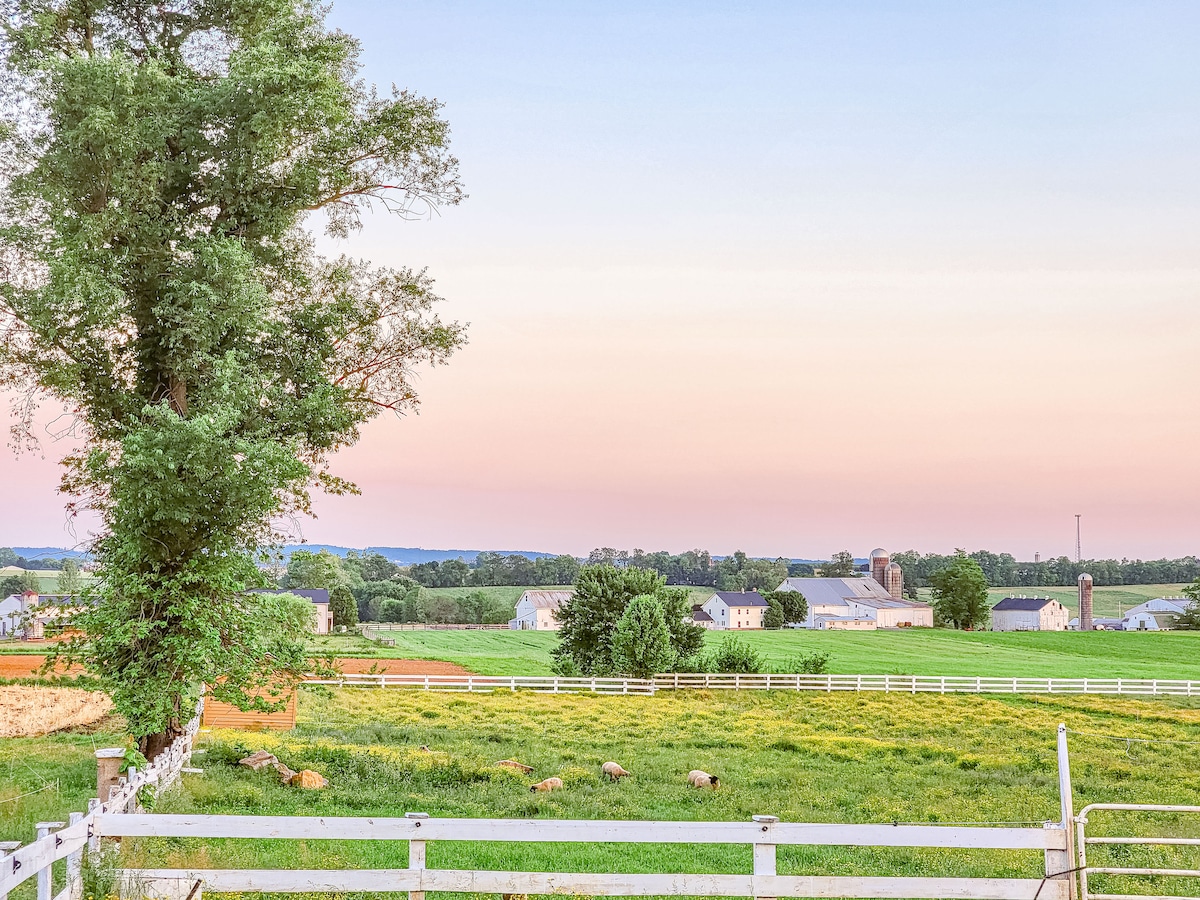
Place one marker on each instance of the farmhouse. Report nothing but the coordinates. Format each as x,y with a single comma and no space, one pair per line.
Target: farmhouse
537,610
734,610
28,615
701,618
856,603
323,616
1029,614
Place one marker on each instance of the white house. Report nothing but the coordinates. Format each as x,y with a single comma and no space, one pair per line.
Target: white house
322,615
734,610
1029,614
858,604
537,610
701,618
28,614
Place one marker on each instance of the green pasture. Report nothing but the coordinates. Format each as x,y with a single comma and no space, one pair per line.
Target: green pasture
803,757
824,758
1099,654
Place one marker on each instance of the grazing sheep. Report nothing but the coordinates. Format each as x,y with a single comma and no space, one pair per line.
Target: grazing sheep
515,766
697,778
614,771
544,787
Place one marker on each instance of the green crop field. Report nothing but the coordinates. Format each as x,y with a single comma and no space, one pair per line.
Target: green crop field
811,757
1100,654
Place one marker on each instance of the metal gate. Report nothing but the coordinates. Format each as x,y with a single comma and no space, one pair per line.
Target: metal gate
1083,842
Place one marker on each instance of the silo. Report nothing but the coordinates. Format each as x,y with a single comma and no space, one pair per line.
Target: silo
879,562
1085,602
893,580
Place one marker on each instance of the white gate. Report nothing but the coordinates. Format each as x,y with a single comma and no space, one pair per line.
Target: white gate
1083,842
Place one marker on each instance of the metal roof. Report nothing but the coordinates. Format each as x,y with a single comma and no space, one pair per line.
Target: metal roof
1022,604
842,591
740,598
316,595
546,599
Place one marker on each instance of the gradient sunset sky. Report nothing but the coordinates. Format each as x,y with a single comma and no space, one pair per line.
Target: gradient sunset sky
789,278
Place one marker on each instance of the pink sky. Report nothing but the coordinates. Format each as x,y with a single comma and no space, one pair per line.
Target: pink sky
924,294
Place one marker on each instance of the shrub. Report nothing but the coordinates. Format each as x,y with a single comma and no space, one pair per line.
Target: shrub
641,643
736,657
773,617
566,666
815,663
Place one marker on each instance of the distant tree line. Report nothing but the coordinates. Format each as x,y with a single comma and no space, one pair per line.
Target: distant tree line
699,568
496,569
10,557
1004,570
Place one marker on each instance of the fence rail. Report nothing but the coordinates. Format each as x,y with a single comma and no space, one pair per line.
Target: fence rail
900,684
764,834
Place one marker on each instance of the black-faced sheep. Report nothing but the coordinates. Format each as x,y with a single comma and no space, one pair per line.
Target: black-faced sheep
697,778
544,787
614,771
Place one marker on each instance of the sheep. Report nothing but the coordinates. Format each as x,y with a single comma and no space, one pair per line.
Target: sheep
544,787
697,778
614,771
515,766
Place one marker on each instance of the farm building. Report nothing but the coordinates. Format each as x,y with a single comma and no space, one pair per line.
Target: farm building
1159,614
1150,621
1029,614
701,618
734,610
857,604
29,615
323,616
536,610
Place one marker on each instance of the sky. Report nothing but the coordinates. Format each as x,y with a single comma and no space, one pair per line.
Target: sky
789,278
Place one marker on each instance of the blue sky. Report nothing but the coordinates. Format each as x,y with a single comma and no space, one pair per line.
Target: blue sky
792,278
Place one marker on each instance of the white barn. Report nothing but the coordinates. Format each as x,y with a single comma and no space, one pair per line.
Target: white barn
733,610
536,610
856,604
1029,614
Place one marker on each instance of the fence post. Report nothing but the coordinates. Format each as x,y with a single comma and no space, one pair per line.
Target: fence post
44,875
93,844
75,863
1058,862
764,853
7,847
108,770
416,852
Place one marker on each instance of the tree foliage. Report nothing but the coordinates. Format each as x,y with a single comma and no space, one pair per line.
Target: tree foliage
791,604
587,621
69,581
840,566
960,593
641,641
158,168
687,638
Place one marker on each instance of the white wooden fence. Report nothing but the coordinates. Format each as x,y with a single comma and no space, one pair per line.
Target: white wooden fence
899,684
68,840
764,834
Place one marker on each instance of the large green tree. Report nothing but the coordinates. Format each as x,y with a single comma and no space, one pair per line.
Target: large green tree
587,621
960,596
159,167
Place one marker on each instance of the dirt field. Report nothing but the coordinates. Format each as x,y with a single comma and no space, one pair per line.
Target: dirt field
32,711
26,666
401,667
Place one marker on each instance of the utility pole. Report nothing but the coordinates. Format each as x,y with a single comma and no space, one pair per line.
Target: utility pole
1078,542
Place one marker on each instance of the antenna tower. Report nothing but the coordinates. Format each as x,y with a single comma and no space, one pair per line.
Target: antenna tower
1078,542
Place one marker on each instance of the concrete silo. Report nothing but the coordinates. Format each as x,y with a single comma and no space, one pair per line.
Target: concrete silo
879,562
893,580
1085,602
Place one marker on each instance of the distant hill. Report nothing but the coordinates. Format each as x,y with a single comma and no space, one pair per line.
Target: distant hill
48,553
406,556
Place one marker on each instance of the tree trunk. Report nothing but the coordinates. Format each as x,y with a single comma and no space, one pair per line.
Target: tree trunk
151,745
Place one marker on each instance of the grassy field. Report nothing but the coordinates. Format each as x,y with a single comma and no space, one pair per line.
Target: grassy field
826,758
909,652
819,758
